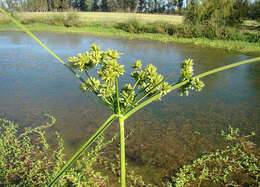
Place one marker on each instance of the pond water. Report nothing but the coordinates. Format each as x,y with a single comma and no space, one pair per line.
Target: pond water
167,134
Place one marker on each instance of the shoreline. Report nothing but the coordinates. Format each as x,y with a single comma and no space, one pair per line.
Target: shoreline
234,46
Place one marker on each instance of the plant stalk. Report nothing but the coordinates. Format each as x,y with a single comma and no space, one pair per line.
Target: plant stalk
122,151
200,182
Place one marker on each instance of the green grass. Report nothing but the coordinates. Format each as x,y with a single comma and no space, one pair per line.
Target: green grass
99,29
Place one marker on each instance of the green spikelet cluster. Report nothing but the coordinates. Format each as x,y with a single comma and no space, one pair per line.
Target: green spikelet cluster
186,75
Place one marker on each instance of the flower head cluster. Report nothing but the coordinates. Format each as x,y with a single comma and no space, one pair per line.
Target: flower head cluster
186,75
127,96
137,64
87,60
149,80
108,71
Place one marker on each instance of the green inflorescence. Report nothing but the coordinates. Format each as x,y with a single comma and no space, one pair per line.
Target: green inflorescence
187,74
148,82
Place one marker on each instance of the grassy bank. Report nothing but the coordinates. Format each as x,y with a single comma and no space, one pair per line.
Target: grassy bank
164,28
98,29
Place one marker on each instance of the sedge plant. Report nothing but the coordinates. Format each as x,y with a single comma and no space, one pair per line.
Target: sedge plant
123,102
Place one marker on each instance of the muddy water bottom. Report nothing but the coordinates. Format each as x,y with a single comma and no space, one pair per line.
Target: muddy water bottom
167,134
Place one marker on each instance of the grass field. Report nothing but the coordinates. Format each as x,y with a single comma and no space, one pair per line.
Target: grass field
102,17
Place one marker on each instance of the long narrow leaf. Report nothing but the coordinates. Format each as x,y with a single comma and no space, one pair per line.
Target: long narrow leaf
84,147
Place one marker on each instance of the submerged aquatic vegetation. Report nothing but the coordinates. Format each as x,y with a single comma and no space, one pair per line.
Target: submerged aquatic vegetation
27,159
149,86
23,163
235,165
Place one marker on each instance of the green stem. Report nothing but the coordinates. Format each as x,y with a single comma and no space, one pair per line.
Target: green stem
96,93
117,98
136,83
122,139
200,182
122,151
91,82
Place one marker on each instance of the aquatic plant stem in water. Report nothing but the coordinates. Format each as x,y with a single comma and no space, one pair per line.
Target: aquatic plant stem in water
200,182
122,139
122,150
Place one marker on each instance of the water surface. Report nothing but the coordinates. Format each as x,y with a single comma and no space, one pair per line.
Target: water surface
167,134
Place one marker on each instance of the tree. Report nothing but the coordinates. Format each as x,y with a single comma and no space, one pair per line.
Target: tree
192,12
215,13
2,4
82,5
104,5
179,4
112,5
133,5
171,6
95,5
141,5
254,10
240,11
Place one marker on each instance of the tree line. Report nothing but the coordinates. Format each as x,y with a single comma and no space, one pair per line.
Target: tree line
242,8
221,12
149,6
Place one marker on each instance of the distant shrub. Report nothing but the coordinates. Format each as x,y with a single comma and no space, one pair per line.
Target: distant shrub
218,12
208,31
162,27
30,20
252,37
3,20
254,11
133,26
55,19
72,19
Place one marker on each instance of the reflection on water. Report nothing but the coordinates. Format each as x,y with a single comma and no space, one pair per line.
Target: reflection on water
167,133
